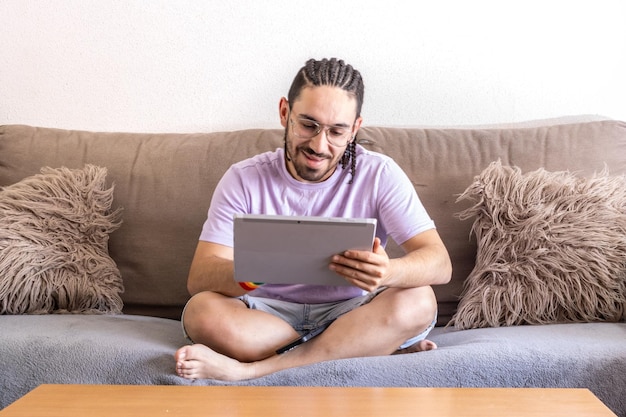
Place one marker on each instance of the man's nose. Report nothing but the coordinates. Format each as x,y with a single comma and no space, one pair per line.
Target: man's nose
319,142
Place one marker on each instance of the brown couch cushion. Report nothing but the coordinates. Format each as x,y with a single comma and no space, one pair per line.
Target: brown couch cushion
441,163
54,230
165,182
551,248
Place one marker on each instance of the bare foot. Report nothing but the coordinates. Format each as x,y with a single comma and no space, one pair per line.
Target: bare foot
200,362
421,346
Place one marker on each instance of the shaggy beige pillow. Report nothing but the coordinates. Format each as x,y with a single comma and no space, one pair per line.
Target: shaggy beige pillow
54,231
551,248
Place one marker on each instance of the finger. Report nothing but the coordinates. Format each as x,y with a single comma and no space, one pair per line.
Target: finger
359,278
364,284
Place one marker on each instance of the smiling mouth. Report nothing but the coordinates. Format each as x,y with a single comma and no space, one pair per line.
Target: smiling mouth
314,156
312,166
314,161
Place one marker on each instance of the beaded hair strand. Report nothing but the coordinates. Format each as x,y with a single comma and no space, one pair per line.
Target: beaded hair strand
332,72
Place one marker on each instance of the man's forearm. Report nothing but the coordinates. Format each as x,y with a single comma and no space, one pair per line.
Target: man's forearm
213,274
427,266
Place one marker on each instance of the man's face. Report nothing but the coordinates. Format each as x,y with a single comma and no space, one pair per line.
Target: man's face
315,159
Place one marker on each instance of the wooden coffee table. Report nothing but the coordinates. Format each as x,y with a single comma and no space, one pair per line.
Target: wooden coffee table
190,401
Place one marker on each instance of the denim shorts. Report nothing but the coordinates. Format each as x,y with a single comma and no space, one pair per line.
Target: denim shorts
306,317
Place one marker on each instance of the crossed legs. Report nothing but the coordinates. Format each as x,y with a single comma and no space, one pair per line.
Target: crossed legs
236,343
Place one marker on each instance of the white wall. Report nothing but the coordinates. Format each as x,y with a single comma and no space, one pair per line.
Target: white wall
220,65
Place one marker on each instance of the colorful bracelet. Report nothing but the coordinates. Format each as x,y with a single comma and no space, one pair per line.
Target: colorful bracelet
250,286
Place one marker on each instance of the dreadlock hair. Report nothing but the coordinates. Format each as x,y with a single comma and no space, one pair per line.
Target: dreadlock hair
349,157
335,73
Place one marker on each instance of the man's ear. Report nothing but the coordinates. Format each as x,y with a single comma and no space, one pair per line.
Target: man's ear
283,111
357,126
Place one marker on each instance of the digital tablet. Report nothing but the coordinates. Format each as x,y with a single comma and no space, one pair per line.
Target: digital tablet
295,250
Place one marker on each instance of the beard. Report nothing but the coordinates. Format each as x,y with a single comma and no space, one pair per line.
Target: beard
304,171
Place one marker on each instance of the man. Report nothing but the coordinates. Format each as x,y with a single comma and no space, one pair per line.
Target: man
321,171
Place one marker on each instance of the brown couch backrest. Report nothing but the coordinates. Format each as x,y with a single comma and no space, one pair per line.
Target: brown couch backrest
164,182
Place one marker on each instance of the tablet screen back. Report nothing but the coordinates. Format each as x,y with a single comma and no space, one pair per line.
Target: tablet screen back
295,250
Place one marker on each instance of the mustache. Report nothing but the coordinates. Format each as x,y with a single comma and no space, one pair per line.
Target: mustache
311,152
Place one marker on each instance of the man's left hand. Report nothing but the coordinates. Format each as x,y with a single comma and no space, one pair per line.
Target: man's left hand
364,269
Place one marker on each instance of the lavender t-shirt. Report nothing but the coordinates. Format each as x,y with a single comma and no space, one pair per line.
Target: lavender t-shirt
262,185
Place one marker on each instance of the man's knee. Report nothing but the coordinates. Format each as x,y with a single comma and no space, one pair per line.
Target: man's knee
197,307
202,315
413,308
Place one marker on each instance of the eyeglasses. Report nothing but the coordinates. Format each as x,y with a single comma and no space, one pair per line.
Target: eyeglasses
304,128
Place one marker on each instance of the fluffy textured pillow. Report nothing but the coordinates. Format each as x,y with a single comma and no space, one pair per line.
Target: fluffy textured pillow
551,248
54,231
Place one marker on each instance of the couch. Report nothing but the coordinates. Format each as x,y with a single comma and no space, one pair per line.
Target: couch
97,232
